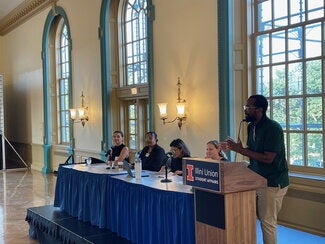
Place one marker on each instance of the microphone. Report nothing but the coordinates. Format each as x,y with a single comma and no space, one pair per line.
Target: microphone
67,161
167,162
109,152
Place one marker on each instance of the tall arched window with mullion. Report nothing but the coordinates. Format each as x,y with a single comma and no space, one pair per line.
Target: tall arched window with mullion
136,39
63,89
134,30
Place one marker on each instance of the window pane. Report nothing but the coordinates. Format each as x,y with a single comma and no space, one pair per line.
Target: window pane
278,46
136,50
297,11
314,113
132,126
295,82
132,142
132,112
142,25
144,75
296,149
314,76
263,81
262,50
313,37
265,15
315,150
295,114
315,9
128,34
295,46
281,13
279,111
129,53
130,74
279,82
136,70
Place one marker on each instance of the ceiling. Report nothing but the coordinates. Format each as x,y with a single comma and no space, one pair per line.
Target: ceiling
8,5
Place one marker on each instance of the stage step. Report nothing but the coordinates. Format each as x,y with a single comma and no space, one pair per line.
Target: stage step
48,224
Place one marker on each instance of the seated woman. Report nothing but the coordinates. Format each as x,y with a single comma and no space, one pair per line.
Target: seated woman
213,151
152,156
179,150
119,151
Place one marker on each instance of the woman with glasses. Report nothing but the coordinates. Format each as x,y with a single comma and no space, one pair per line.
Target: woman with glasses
179,150
214,151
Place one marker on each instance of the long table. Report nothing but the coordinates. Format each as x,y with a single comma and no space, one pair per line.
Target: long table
145,211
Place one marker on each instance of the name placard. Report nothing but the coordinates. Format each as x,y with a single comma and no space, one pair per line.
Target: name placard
202,173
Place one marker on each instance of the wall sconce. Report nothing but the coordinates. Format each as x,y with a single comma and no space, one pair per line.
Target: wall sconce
180,106
79,114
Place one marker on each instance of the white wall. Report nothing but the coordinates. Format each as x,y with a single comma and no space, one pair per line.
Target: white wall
185,45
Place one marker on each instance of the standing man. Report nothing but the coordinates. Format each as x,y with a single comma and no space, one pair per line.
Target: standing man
266,151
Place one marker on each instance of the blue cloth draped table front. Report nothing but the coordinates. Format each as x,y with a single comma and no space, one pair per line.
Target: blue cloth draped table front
143,212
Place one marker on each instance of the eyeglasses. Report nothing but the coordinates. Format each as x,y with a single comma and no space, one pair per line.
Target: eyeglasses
248,107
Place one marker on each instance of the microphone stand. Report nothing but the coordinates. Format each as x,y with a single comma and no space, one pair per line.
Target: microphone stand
166,172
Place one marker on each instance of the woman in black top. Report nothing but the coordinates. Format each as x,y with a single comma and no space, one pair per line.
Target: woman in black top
119,151
152,156
179,150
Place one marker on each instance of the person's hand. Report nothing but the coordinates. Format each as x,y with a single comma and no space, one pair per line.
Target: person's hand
178,172
234,146
162,169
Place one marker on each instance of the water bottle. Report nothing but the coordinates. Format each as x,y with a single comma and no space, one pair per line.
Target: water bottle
138,168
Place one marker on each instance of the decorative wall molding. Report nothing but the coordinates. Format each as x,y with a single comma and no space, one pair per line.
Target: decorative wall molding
22,13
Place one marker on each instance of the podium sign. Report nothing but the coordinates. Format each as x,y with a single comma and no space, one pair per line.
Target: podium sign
203,174
224,195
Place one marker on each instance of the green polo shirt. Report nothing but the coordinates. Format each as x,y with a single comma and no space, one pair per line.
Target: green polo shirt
267,136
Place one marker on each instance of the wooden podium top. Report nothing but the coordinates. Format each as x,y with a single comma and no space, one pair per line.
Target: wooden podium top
220,176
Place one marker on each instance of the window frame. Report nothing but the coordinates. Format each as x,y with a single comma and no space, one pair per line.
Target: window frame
287,97
64,125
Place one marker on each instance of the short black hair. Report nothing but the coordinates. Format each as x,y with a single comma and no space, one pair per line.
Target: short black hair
154,134
260,102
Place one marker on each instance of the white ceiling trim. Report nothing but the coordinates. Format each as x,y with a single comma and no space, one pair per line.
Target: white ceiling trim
22,13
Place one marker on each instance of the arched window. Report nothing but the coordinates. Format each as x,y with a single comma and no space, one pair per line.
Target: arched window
129,74
62,87
56,58
134,70
135,42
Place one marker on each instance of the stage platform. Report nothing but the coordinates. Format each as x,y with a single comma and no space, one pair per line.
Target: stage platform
49,225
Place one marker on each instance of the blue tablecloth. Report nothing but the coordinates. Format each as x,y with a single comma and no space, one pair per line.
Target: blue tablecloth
145,211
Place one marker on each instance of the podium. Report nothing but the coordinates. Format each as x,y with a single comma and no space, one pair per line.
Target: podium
225,200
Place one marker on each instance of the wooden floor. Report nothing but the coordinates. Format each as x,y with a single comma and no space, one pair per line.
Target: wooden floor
20,190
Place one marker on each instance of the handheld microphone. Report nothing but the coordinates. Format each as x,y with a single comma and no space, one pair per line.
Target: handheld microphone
108,153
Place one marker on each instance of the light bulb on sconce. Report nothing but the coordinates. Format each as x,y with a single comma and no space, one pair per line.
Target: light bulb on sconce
79,115
180,106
